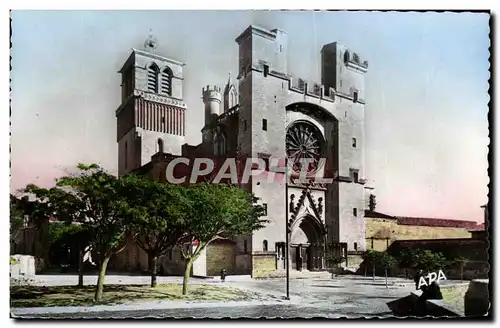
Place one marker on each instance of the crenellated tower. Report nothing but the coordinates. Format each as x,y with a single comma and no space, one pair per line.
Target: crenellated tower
343,70
212,98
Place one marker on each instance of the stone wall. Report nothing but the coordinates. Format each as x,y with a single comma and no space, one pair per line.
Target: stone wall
381,229
131,258
172,264
221,254
263,264
377,244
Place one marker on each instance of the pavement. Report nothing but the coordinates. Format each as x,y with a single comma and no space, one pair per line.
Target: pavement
343,296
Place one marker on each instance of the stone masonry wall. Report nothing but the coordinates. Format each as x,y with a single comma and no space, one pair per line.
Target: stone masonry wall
263,264
383,228
221,255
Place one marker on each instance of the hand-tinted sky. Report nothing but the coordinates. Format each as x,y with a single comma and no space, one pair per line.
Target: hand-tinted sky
426,112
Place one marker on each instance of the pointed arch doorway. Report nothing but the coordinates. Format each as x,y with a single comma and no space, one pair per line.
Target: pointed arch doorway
307,250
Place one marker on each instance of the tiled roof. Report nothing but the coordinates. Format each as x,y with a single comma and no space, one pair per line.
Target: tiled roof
435,222
426,222
479,227
374,214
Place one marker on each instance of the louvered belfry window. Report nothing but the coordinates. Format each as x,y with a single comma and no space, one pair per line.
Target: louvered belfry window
166,81
153,78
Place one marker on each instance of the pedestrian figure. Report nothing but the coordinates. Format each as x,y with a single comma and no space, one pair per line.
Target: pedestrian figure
417,278
223,275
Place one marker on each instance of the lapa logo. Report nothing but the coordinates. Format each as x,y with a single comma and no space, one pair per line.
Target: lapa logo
431,277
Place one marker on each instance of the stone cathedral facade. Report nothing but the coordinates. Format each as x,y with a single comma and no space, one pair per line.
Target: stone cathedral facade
263,112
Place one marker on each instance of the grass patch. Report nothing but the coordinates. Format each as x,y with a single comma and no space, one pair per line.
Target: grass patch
454,295
37,296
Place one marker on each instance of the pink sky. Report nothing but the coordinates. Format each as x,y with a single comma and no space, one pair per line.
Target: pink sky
426,113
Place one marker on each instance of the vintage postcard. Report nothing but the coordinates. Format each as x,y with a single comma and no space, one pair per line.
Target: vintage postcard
249,164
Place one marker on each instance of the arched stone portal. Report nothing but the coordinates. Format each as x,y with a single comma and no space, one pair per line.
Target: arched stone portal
307,244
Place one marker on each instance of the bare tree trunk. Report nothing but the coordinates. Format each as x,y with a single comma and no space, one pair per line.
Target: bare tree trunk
152,259
386,286
406,273
80,268
461,272
100,280
366,270
373,272
187,273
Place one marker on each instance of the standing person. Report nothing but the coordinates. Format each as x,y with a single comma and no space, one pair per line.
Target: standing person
417,277
223,275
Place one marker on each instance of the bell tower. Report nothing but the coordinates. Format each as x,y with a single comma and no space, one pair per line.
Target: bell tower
151,116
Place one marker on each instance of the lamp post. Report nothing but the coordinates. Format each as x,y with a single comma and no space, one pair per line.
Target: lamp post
287,244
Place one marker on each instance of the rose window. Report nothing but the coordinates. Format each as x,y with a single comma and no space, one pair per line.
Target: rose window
304,141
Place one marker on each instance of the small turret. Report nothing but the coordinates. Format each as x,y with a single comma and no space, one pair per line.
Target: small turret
230,95
212,97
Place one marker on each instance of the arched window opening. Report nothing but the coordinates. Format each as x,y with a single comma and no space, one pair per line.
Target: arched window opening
153,71
160,146
232,98
166,81
219,142
264,245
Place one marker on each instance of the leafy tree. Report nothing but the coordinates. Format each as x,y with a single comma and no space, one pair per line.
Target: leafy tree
461,262
105,212
405,259
370,258
428,261
217,211
16,217
74,236
59,230
372,202
67,208
37,212
160,219
386,261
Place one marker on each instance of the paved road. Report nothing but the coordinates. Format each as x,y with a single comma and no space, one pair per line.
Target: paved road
345,296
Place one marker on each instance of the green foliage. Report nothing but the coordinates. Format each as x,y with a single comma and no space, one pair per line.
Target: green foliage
386,260
60,231
221,211
101,200
217,211
460,261
427,260
159,215
370,257
406,258
105,210
333,260
372,202
16,216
